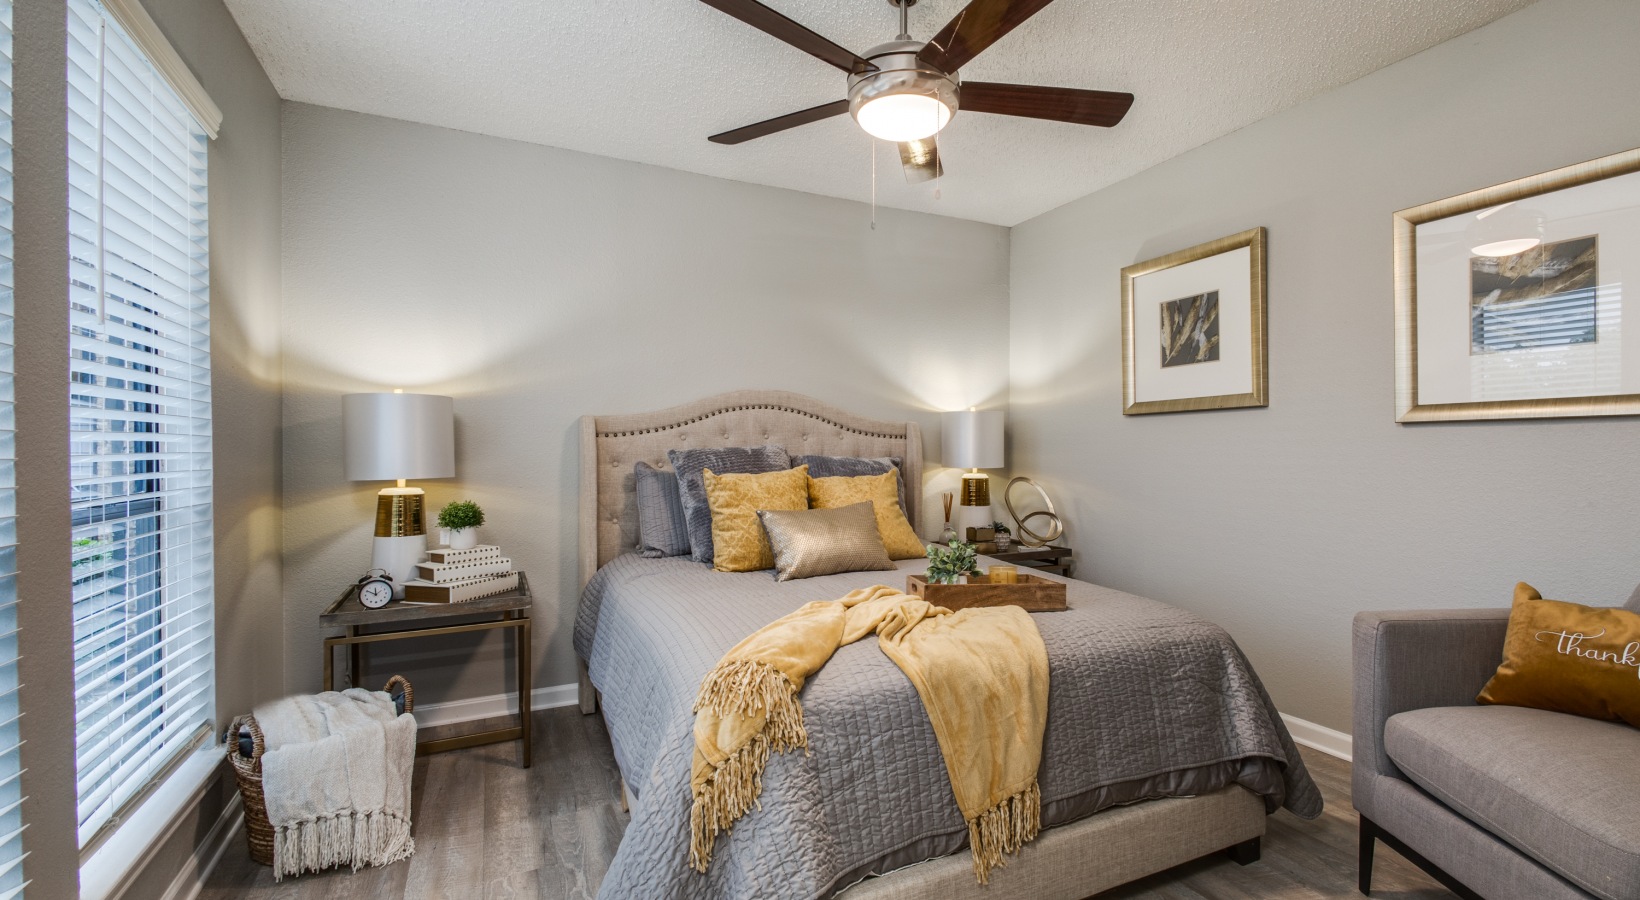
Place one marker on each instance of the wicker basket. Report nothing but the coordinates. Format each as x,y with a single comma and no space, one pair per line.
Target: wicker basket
247,771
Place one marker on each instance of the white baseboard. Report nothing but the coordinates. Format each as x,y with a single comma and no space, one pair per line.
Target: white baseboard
474,708
1316,737
1319,737
191,880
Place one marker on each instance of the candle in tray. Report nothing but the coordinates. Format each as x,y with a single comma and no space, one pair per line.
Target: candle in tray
1003,574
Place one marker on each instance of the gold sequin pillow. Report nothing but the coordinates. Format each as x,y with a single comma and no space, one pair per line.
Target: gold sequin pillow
738,541
899,538
810,542
1570,658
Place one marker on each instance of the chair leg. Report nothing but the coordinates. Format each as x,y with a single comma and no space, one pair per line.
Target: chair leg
1371,831
1245,853
1369,841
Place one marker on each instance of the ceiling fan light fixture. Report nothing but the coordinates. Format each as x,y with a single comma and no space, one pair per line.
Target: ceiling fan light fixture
900,98
903,117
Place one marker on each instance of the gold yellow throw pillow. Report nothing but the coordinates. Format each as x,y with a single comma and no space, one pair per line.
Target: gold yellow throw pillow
899,538
738,541
1566,657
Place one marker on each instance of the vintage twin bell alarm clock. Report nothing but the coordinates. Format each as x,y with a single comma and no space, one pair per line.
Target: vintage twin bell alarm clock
375,588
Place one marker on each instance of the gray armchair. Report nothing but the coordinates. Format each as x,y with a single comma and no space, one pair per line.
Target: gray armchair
1495,802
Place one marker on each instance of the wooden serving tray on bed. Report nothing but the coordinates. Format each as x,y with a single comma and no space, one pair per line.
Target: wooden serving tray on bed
1031,593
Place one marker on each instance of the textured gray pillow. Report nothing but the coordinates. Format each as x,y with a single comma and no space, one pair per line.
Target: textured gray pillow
662,530
1634,601
689,464
850,466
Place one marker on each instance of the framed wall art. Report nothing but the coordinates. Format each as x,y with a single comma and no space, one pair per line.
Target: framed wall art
1193,328
1510,301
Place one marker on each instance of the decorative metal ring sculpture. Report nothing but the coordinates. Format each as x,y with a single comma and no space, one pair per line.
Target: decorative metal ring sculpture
1029,538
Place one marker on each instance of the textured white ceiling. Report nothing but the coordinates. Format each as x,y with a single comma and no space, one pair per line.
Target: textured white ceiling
648,80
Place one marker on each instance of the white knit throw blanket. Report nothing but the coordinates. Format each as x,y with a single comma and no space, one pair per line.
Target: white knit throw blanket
336,778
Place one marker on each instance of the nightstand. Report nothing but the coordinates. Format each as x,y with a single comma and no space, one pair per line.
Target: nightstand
1048,559
401,620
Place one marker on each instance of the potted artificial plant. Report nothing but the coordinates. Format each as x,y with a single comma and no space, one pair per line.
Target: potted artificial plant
946,565
461,520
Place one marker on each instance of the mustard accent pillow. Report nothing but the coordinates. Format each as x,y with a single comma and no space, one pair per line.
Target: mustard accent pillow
1570,658
738,541
899,538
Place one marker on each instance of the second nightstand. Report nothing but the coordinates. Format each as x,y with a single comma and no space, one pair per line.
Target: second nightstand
1047,559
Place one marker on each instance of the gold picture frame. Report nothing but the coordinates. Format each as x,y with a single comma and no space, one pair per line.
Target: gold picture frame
1575,213
1233,282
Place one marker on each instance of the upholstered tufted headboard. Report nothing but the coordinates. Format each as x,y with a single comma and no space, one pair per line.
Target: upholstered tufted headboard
612,445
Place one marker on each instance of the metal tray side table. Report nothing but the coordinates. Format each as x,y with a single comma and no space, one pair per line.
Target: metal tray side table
400,620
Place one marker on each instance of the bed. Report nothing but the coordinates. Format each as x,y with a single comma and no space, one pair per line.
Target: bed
1161,747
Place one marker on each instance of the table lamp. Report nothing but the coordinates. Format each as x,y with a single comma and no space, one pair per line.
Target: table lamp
397,437
973,440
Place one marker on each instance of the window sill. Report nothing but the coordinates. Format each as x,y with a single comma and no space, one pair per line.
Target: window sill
108,871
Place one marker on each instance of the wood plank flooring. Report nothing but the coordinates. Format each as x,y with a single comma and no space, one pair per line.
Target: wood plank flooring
486,829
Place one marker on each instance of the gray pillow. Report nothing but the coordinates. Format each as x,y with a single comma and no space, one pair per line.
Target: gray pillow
850,466
1634,601
689,464
662,530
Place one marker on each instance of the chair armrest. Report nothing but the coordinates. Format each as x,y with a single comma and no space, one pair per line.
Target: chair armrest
1414,659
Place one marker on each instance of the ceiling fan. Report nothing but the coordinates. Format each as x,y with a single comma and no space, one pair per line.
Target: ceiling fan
905,91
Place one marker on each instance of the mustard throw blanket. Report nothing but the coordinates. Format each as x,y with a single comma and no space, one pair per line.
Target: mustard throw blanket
982,675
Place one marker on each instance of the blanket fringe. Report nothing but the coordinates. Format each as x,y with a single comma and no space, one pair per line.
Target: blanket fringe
748,687
1003,829
744,687
727,794
364,839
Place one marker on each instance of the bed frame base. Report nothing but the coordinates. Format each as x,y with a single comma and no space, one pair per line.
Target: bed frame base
1105,850
585,692
1247,852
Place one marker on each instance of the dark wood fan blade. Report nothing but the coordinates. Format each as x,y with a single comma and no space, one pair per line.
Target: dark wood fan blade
781,123
1104,108
979,25
773,23
921,160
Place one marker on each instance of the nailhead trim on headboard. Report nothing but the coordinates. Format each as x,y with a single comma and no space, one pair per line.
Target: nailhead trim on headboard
747,408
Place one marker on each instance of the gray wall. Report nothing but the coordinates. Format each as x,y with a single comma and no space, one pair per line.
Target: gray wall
536,285
1281,523
245,293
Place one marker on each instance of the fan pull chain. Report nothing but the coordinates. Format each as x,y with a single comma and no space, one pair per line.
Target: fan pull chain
872,143
939,161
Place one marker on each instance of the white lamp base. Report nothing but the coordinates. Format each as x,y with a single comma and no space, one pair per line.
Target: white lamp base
399,555
966,517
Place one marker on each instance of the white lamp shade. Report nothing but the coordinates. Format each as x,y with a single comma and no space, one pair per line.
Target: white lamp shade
393,436
972,439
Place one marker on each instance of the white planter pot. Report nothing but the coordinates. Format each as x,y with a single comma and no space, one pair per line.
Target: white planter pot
461,538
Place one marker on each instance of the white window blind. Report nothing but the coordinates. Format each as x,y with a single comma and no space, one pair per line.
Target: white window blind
11,793
139,420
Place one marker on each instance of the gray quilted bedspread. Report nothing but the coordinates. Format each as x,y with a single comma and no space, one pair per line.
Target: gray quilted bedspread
1145,700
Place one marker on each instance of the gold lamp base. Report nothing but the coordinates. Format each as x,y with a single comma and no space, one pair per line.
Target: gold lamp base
976,489
401,534
974,502
399,512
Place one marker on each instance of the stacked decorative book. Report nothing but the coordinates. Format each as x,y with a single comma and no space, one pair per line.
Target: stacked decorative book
457,576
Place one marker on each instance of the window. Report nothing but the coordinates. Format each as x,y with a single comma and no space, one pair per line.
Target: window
11,794
139,420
